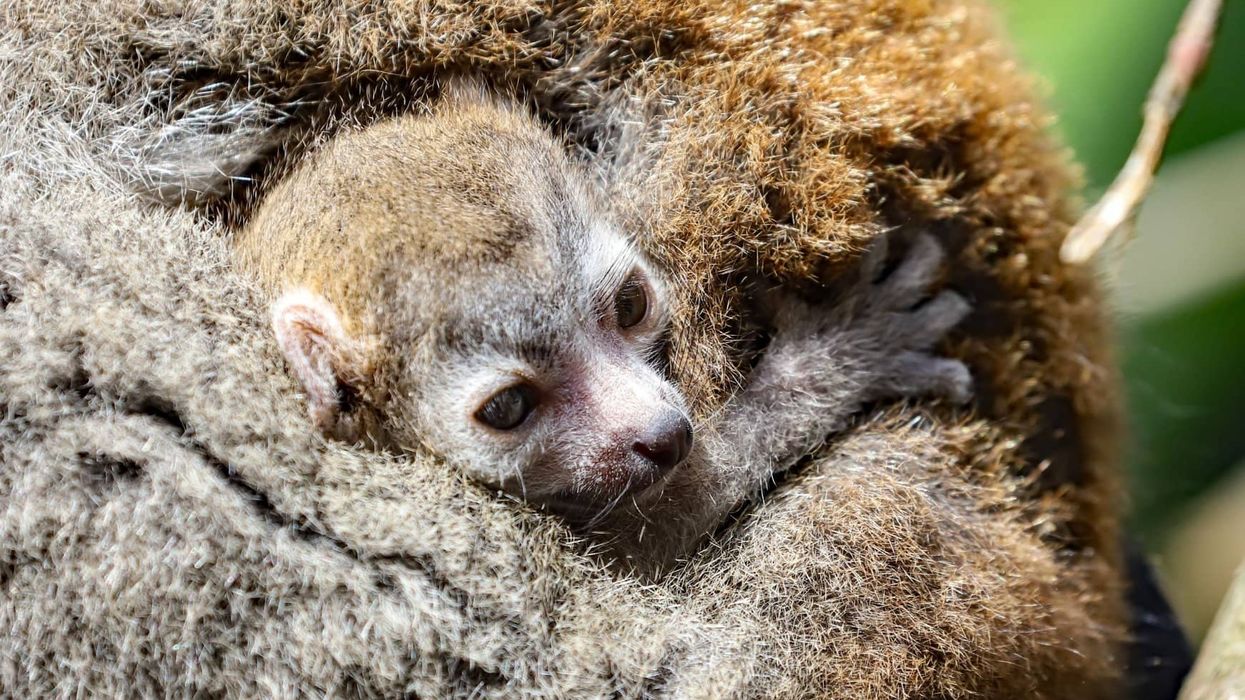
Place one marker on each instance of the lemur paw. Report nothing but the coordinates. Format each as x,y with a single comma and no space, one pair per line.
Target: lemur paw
898,312
885,329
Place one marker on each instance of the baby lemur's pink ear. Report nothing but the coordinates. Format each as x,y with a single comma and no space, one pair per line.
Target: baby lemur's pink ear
310,334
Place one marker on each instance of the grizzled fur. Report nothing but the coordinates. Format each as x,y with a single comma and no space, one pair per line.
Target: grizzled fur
168,524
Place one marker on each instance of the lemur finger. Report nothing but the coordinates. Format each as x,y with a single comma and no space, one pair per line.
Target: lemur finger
790,314
911,281
874,260
917,374
950,379
930,322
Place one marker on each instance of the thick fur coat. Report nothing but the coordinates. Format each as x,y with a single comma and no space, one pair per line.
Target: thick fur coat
169,523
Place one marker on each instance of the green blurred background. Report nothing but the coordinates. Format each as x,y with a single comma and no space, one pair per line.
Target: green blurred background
1180,286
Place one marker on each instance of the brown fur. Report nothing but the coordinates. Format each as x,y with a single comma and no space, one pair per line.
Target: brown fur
969,555
311,230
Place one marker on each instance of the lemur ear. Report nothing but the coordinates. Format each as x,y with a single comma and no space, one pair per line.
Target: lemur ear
310,334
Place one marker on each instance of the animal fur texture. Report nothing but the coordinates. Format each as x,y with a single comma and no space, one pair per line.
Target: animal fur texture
169,524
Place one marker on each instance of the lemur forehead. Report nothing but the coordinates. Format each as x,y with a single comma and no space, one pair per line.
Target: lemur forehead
483,170
528,325
527,306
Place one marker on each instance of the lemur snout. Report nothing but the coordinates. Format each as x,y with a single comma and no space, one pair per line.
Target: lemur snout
666,442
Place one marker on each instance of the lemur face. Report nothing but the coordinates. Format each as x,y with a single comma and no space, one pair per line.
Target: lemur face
551,385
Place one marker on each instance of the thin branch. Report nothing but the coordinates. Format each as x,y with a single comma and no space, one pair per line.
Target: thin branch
1186,57
1219,673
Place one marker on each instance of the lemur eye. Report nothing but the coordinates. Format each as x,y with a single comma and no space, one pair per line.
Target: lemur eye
631,302
508,408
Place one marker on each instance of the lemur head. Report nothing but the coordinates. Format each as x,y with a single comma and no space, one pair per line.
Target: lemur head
452,281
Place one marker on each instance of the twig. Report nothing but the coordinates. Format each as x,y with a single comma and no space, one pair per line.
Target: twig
1219,673
1186,56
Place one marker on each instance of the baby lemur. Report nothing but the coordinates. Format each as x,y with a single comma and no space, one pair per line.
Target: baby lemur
453,281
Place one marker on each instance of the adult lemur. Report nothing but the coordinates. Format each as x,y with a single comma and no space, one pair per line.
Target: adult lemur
453,281
933,552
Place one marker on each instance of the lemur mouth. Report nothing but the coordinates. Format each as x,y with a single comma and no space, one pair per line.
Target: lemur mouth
644,493
589,508
569,506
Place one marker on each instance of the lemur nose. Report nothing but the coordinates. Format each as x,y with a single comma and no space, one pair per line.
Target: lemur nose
666,442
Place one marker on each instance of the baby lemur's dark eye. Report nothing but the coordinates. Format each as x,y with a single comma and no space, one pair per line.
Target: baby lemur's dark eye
508,408
631,302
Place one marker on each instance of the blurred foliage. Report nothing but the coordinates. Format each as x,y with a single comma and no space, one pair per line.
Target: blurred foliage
1186,379
1184,364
